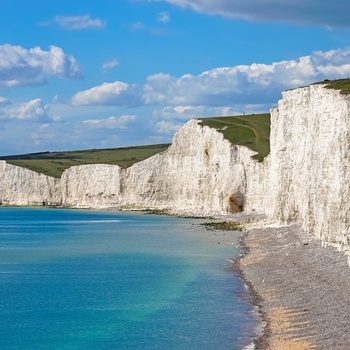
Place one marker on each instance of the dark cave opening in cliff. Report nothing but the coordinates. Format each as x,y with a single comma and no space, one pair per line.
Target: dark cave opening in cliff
235,204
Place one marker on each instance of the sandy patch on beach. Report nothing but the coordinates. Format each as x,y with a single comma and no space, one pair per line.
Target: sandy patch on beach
286,324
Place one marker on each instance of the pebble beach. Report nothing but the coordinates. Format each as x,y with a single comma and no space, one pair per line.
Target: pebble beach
302,289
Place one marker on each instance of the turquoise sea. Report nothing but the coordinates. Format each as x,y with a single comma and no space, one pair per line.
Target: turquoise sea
88,280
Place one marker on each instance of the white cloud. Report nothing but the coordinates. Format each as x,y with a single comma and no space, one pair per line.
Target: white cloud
93,133
4,101
117,93
168,128
32,111
156,88
164,17
56,100
107,93
314,12
109,65
79,22
43,132
137,26
226,86
184,113
68,136
21,67
111,122
169,119
59,64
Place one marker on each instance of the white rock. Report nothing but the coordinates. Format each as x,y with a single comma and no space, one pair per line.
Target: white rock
311,175
20,186
91,186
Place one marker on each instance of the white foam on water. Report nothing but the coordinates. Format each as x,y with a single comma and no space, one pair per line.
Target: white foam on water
250,346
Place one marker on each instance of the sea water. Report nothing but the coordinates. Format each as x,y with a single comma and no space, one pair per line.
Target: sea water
88,280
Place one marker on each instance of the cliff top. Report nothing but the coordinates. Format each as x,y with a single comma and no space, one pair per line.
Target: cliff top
338,84
341,84
252,131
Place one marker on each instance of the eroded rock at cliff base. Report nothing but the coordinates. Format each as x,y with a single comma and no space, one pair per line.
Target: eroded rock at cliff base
235,203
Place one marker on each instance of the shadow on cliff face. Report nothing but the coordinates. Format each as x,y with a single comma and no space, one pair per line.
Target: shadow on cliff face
235,203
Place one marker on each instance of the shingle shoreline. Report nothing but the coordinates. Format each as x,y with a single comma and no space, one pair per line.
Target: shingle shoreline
301,288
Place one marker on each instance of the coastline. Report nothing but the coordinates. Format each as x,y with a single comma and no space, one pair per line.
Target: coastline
300,288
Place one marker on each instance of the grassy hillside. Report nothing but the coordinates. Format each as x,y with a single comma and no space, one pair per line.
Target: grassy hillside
339,84
252,131
54,163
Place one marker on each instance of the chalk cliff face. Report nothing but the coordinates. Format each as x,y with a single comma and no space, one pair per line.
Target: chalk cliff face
19,186
310,161
201,172
305,179
95,186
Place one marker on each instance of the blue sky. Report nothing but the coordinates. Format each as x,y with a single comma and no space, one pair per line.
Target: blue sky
84,74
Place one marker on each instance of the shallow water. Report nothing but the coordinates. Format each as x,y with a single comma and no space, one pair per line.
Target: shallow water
77,279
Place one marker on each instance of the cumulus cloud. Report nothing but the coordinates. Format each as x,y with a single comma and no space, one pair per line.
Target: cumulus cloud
32,111
4,101
111,122
109,65
22,67
314,12
164,17
112,94
79,22
168,128
226,86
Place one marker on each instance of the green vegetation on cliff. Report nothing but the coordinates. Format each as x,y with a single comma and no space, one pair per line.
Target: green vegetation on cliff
339,84
54,163
252,131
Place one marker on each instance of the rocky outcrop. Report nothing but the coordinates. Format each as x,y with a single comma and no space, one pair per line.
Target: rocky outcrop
305,179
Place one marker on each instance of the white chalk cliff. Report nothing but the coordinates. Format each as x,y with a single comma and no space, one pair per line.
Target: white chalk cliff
19,186
200,172
305,179
310,161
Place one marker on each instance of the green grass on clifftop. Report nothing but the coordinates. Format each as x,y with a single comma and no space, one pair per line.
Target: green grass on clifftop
252,131
339,84
54,163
